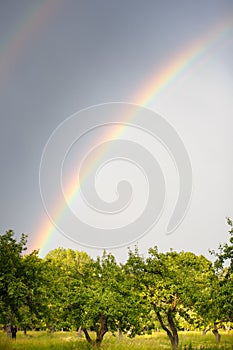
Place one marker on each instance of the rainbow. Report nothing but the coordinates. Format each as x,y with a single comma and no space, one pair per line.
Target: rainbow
182,61
33,19
161,79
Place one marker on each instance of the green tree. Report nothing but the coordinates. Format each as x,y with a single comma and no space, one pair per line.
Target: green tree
224,256
34,275
105,301
23,283
173,284
66,276
12,288
222,310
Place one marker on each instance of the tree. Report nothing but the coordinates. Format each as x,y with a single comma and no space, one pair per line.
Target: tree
66,277
34,275
172,283
225,254
12,288
223,291
105,300
23,283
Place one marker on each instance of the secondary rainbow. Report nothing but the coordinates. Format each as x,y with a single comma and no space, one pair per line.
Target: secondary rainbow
15,43
163,77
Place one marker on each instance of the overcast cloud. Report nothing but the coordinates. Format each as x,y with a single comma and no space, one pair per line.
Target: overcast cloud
58,57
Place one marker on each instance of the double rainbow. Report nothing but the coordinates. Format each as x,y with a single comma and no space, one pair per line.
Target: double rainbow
163,77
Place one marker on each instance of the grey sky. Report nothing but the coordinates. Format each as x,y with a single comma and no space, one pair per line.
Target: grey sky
89,52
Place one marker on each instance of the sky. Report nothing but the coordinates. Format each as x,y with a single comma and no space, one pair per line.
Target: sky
58,58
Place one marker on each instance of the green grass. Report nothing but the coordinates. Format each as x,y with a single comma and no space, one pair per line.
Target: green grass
70,341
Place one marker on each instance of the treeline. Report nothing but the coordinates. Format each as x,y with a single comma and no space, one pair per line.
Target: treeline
69,290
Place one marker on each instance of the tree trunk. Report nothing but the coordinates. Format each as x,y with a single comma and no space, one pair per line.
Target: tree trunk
174,342
172,332
120,335
175,338
8,330
205,331
88,338
102,330
216,334
80,332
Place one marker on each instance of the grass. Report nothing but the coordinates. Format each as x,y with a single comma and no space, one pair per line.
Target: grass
70,341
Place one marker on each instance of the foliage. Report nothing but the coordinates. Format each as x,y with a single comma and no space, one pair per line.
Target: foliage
34,275
67,290
173,284
65,277
105,301
223,289
23,283
12,288
225,254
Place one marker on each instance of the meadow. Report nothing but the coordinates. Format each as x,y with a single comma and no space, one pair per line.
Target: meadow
70,341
